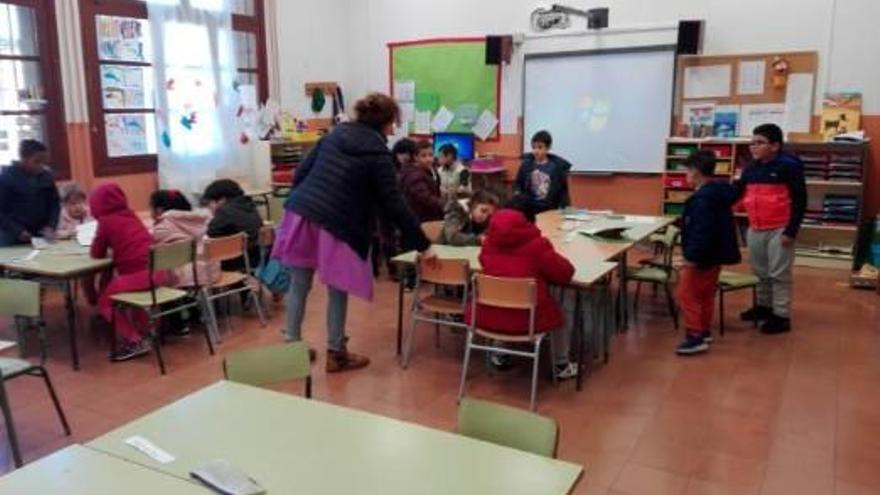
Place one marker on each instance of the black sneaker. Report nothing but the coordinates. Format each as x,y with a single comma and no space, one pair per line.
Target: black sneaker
776,325
177,333
131,351
707,336
692,344
756,313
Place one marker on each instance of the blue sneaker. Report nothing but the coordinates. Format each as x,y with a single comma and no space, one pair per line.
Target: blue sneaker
692,344
707,336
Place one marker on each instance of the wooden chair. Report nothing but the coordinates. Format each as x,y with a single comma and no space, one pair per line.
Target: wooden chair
508,426
166,257
734,281
661,274
20,299
446,300
218,250
270,365
432,229
508,293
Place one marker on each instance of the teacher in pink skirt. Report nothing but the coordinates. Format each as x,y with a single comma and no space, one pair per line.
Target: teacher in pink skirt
338,193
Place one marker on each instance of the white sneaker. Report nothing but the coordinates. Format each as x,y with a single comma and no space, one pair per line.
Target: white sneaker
565,371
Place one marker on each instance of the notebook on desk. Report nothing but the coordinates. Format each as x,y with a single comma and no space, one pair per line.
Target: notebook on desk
605,232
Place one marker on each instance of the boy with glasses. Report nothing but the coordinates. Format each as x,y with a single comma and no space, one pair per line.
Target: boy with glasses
774,194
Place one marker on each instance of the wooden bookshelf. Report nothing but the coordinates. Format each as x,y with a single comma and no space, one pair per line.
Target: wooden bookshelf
730,155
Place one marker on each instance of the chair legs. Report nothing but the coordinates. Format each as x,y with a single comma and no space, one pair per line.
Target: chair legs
535,361
636,300
465,364
41,371
411,335
721,312
157,345
10,426
535,355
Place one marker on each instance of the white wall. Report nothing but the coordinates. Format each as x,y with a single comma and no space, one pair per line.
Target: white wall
345,40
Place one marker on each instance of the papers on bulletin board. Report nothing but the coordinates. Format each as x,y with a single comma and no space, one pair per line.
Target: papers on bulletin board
422,122
711,81
752,116
467,114
442,119
407,112
126,134
123,87
798,103
726,121
485,125
751,77
405,91
699,118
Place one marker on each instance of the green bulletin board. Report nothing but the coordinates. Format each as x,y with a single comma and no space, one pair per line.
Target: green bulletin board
447,73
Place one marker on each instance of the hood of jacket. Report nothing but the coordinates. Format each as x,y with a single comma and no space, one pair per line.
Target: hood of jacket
509,230
192,224
108,199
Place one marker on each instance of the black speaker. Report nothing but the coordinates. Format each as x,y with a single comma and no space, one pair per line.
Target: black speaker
597,18
690,37
493,50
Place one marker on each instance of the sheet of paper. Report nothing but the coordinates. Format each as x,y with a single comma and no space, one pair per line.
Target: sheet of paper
752,116
6,344
442,119
699,117
85,233
485,125
751,77
467,114
150,449
407,112
405,91
422,122
798,103
711,81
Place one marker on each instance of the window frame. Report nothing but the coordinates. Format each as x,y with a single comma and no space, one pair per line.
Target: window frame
105,165
50,72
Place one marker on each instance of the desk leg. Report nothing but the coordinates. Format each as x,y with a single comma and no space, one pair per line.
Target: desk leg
624,294
605,298
70,307
400,286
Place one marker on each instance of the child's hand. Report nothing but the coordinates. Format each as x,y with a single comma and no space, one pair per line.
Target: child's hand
787,241
481,239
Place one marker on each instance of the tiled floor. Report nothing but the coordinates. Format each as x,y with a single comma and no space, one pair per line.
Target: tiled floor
790,415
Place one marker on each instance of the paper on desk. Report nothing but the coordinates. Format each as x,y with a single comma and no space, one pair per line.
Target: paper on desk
485,125
638,219
150,449
85,233
442,119
711,81
751,77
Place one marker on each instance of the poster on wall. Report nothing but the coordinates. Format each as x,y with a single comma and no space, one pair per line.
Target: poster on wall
121,38
841,113
123,87
126,135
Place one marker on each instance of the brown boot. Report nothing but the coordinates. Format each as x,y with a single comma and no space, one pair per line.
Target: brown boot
343,361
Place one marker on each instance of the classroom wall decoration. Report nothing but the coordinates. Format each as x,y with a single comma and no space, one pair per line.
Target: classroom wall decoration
445,86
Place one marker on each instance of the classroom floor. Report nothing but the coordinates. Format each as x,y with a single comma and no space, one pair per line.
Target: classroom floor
795,414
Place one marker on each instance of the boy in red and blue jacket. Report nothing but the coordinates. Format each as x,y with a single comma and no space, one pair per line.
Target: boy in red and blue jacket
708,241
774,193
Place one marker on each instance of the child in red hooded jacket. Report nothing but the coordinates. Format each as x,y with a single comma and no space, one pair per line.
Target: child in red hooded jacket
515,248
124,236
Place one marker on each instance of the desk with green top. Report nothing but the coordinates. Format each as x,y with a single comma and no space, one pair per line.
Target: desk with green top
289,444
64,262
78,470
592,257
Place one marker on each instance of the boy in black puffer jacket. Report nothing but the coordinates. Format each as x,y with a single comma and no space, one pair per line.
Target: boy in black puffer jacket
233,213
708,240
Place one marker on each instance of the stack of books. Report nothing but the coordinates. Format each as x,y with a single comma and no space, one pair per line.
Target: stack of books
840,209
845,168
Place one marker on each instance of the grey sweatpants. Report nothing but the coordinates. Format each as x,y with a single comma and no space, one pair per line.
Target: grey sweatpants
297,295
772,264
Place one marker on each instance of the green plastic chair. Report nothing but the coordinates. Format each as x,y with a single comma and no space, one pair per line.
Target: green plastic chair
20,299
733,281
660,274
508,426
166,257
270,365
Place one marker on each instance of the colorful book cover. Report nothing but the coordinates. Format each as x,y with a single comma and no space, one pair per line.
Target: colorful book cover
841,113
726,121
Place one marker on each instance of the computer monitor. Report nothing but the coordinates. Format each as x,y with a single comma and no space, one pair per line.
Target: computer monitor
463,142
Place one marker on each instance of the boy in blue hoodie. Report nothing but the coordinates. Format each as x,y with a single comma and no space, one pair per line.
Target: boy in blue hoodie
708,240
29,202
543,176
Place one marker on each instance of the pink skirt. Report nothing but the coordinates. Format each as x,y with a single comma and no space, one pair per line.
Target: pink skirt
299,243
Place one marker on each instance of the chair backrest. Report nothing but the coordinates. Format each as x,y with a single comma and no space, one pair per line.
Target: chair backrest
268,365
669,241
508,426
444,272
19,298
172,255
226,248
432,230
507,293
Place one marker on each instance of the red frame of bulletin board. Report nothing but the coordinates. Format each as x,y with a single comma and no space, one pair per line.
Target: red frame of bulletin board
433,41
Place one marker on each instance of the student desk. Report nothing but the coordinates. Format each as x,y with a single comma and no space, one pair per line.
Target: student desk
289,444
63,263
78,470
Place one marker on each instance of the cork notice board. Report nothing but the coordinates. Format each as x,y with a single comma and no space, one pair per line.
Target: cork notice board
799,64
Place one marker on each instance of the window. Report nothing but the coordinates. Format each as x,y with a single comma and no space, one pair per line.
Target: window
119,56
31,105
